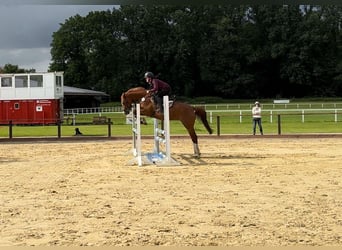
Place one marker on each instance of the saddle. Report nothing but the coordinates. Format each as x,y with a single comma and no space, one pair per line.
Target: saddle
172,100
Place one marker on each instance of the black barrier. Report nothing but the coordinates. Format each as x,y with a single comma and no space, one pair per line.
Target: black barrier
59,128
109,127
10,129
218,125
279,125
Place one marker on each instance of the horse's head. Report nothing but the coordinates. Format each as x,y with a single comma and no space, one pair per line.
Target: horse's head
126,103
131,96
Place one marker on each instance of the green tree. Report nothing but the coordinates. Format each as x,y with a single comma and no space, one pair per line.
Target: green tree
227,51
68,53
10,68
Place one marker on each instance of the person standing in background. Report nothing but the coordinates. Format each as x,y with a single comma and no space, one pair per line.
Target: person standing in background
256,112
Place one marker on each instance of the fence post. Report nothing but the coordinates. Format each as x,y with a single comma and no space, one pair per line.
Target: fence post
335,115
110,128
240,116
73,119
59,122
271,116
10,129
218,125
303,117
279,125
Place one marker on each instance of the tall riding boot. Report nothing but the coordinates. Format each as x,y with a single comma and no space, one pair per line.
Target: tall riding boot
160,105
156,102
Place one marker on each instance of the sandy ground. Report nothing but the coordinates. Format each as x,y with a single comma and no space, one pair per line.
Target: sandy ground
242,192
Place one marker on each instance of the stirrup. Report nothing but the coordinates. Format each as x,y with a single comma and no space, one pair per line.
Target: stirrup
159,110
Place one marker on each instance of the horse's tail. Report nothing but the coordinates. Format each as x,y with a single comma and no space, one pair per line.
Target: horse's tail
202,114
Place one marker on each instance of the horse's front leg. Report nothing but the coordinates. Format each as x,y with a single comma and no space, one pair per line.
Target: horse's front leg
197,152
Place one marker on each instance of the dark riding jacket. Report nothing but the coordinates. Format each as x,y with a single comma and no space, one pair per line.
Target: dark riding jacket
159,86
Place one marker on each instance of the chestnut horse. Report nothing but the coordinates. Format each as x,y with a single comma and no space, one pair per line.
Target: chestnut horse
178,111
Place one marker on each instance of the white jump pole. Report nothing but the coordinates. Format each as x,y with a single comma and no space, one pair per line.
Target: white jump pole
165,132
136,134
167,128
160,136
156,137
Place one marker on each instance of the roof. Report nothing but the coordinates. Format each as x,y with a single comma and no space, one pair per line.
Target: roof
78,91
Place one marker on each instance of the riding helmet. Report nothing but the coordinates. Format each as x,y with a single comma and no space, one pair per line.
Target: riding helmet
149,75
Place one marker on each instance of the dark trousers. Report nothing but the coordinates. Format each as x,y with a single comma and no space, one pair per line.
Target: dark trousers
257,121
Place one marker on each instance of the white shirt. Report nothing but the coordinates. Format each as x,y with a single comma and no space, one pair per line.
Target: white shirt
256,111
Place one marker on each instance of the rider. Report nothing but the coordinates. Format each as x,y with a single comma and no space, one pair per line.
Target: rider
159,89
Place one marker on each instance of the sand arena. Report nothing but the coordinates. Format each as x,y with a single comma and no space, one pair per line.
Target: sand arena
241,192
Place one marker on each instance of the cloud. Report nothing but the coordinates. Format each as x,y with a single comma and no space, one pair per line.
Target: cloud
26,31
27,58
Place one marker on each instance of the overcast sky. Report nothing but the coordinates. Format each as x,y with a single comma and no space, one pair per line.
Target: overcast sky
26,32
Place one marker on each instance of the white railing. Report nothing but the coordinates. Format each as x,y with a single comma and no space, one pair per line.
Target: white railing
221,107
238,106
335,113
240,110
92,110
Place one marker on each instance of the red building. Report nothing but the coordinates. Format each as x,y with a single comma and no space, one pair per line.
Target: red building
31,98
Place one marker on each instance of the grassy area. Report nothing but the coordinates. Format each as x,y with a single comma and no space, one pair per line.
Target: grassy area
235,118
229,124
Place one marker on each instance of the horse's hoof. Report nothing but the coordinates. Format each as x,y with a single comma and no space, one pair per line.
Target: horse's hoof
197,155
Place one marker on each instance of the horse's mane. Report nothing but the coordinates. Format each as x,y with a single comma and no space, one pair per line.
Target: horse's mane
135,89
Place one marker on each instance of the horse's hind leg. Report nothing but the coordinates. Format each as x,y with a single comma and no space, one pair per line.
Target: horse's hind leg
189,122
194,139
197,152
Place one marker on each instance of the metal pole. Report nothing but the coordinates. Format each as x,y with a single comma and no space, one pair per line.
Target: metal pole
156,136
10,129
59,128
167,127
109,127
279,125
218,125
137,134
